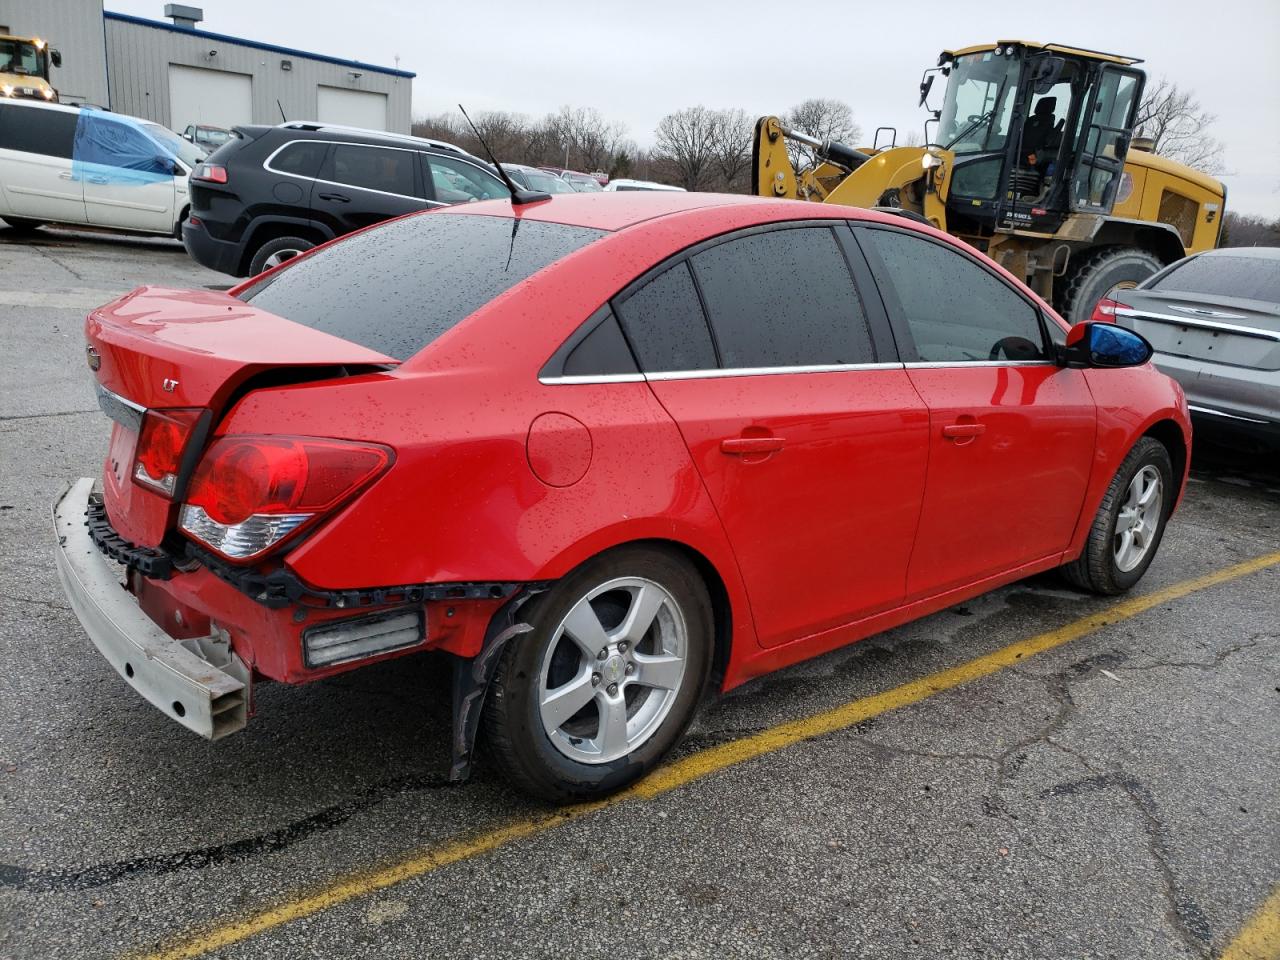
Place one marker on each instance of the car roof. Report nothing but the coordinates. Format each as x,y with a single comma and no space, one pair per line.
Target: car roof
37,105
617,211
364,135
1251,253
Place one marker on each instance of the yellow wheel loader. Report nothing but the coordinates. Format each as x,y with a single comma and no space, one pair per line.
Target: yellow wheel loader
1033,161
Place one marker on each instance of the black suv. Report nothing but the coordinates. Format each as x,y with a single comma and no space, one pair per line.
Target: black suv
270,193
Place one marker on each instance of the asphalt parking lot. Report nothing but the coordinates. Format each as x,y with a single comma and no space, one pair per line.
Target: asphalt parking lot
1036,773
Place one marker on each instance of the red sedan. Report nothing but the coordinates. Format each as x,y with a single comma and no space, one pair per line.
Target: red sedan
608,452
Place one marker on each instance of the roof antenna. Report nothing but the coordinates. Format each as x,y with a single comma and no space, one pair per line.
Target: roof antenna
518,194
281,109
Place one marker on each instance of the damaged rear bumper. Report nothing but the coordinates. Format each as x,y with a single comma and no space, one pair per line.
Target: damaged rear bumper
198,682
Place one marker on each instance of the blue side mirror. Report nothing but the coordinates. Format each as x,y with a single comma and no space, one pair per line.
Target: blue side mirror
1105,345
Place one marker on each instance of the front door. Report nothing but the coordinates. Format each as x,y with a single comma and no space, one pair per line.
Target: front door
1011,434
1106,126
128,177
811,444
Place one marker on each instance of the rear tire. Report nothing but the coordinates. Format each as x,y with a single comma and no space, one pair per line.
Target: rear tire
1126,533
1099,273
22,224
277,251
547,719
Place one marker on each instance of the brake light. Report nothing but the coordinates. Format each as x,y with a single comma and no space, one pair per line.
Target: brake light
162,440
1105,311
250,493
210,172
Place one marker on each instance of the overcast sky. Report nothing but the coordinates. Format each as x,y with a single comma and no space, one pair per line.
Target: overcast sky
636,62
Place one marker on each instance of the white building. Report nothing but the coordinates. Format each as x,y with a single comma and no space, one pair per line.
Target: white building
177,74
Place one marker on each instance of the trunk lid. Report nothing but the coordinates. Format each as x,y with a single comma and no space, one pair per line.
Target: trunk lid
1231,330
158,348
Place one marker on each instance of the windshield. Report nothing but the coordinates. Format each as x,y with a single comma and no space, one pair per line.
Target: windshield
19,57
185,151
401,285
1222,275
539,180
979,103
213,135
584,185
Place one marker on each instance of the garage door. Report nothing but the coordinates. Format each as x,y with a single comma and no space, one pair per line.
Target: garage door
352,108
212,97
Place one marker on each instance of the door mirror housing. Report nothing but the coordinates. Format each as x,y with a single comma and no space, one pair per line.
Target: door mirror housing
1104,345
55,57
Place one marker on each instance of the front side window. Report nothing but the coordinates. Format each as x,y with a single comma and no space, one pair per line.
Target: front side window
783,298
955,310
665,325
372,168
399,286
456,181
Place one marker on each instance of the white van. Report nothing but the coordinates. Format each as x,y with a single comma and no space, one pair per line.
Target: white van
61,164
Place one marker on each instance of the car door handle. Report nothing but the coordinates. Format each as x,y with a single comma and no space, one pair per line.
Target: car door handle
335,197
97,179
746,445
960,431
67,175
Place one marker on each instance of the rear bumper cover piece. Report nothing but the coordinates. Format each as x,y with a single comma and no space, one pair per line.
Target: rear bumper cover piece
199,682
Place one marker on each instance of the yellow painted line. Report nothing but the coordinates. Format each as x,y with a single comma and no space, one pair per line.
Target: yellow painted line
698,765
1260,938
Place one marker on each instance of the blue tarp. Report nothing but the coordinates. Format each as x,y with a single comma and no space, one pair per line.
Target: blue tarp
119,150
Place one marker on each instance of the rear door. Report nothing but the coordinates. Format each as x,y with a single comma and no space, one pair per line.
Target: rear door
128,177
360,185
36,173
1011,434
805,428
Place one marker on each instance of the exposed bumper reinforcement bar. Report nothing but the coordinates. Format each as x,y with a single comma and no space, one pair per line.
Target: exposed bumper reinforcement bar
200,682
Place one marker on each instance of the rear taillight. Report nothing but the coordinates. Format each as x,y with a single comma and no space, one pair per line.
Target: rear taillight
250,493
162,441
210,172
1105,311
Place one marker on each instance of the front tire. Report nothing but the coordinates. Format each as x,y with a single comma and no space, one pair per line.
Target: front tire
1102,273
607,681
277,251
1129,524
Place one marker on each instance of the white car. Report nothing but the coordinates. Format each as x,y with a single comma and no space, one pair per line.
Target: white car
618,185
61,164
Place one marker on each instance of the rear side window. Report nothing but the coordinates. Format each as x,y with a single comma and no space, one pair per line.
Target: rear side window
51,133
302,158
399,286
372,168
1252,278
956,311
456,181
784,298
665,325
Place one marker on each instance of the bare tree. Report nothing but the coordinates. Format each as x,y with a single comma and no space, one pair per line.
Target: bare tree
1245,230
732,131
592,141
686,144
1179,125
824,118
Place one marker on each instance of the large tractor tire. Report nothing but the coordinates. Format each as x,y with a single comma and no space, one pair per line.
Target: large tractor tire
1100,274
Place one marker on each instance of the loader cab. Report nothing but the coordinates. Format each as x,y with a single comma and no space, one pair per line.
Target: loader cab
1037,133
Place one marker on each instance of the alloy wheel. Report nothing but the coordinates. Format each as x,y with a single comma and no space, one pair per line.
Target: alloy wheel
1139,518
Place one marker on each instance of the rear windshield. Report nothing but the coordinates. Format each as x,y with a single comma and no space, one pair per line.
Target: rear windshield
1248,278
398,287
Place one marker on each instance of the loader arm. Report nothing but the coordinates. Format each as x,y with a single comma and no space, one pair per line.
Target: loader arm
897,177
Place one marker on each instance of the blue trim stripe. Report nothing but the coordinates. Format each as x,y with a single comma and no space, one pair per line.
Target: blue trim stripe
186,31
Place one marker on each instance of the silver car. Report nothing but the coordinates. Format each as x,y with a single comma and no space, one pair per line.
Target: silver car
1214,320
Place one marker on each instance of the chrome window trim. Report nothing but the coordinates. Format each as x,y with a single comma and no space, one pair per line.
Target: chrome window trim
1194,408
932,364
717,373
1200,324
266,165
123,411
588,378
